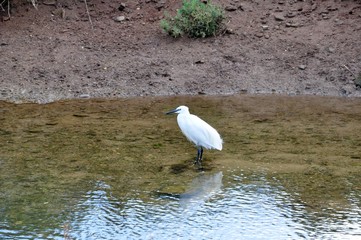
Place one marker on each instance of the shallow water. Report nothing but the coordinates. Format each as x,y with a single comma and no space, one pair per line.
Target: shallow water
121,169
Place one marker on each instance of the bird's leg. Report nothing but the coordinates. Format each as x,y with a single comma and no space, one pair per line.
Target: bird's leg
199,156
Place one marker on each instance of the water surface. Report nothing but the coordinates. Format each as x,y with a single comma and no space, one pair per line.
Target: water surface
121,169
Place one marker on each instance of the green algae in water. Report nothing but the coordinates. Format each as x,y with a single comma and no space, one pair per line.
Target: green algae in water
52,156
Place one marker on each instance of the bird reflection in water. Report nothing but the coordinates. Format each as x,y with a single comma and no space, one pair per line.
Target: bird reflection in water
202,188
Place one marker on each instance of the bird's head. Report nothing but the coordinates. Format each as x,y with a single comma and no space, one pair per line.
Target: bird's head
180,109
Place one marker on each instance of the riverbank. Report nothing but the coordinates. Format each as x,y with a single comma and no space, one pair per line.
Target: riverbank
294,48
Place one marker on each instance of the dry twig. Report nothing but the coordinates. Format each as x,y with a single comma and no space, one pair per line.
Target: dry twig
87,11
349,70
33,2
2,8
35,5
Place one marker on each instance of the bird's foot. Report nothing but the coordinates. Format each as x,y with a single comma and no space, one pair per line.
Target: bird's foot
198,163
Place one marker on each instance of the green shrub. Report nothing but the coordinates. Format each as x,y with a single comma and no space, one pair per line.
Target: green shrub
195,19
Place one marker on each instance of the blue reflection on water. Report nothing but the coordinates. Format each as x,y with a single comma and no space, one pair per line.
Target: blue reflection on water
254,210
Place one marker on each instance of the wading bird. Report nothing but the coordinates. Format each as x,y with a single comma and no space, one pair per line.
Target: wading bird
197,131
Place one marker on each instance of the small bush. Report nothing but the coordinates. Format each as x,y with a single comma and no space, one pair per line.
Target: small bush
194,18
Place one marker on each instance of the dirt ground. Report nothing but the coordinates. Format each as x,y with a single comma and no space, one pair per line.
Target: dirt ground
58,51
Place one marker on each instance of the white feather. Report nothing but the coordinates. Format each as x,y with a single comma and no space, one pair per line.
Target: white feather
198,131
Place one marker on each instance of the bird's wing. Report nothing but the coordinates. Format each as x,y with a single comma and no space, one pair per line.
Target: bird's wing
187,127
199,132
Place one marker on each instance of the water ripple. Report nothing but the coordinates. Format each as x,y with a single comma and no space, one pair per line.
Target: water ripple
255,210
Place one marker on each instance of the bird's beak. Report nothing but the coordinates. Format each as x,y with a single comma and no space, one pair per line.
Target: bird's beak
172,111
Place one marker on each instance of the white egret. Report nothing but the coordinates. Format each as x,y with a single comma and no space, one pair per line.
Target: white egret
197,131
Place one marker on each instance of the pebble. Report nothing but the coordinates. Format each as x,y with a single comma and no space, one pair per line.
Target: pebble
338,21
121,6
279,17
199,61
302,67
291,24
230,8
119,18
60,12
84,96
291,14
331,49
160,4
332,8
49,2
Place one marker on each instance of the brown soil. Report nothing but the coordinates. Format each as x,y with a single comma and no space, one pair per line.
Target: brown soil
286,47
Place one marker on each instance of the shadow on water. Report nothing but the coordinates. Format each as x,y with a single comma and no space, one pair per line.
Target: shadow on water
95,169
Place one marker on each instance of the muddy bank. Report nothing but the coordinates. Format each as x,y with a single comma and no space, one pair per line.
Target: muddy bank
282,47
